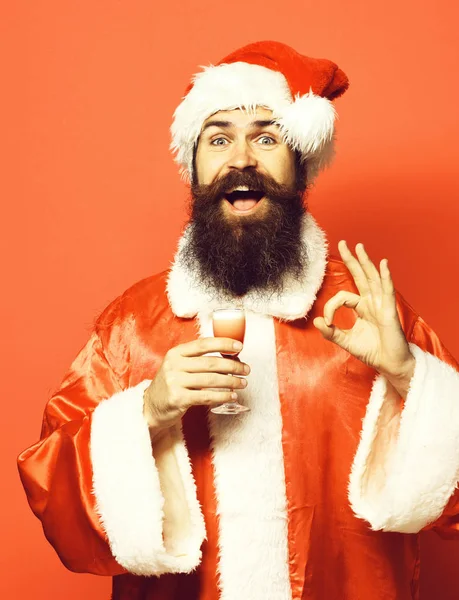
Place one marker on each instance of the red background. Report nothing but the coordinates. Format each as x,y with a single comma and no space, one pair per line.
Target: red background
91,200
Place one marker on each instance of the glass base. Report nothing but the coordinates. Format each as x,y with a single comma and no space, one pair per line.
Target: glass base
229,408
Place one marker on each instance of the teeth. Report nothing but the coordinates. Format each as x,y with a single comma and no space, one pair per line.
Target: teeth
241,188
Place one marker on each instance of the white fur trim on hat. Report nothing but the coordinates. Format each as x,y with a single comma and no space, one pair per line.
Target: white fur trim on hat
308,125
306,121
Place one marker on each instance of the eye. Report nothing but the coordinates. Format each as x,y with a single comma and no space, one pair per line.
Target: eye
266,140
221,141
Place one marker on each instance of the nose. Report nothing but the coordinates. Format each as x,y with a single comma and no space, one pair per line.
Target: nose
242,156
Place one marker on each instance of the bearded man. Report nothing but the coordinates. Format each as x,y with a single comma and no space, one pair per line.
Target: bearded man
351,444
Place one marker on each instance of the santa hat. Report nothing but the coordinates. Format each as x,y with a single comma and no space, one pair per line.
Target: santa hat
297,89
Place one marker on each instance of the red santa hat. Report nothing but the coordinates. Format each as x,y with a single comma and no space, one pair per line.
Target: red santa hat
299,90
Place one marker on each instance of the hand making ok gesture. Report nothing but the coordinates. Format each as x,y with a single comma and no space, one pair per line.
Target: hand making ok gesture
377,338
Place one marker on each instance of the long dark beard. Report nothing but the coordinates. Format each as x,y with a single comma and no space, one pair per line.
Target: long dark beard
238,254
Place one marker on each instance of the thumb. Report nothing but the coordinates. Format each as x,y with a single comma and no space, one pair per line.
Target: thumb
330,332
325,330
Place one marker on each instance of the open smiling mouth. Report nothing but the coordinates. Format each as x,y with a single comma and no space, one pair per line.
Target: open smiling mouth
243,200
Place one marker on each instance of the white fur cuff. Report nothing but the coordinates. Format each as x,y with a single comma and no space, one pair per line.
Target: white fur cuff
407,464
127,487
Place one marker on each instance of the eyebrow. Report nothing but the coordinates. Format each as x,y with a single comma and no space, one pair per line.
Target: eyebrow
226,124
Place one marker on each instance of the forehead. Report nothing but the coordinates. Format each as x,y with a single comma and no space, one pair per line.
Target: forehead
241,117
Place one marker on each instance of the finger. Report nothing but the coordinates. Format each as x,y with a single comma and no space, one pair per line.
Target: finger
386,278
210,397
389,297
198,381
213,364
325,330
331,332
211,344
371,273
355,269
342,298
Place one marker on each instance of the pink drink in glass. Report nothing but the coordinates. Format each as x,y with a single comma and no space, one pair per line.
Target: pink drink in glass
229,323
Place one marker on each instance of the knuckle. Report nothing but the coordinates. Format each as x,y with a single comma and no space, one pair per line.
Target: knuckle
230,381
166,367
206,398
208,380
173,351
212,364
233,382
170,379
173,396
213,380
205,343
168,362
185,401
175,399
332,301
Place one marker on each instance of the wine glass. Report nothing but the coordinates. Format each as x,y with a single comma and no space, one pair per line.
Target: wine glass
229,323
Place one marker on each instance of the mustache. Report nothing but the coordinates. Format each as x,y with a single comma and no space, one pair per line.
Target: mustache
255,253
252,179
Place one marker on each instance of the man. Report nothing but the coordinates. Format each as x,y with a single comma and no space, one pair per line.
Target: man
135,478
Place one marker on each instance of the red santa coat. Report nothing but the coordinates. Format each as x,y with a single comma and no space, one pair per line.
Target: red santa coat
295,500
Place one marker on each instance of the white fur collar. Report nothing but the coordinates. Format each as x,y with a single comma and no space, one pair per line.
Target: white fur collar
187,297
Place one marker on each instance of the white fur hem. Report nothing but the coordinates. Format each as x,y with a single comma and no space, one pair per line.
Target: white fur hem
128,493
249,476
407,464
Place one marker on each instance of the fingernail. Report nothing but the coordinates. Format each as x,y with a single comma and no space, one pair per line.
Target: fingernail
234,396
243,383
246,369
237,346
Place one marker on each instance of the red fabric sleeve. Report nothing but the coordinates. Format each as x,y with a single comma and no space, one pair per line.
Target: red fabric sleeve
447,525
56,472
